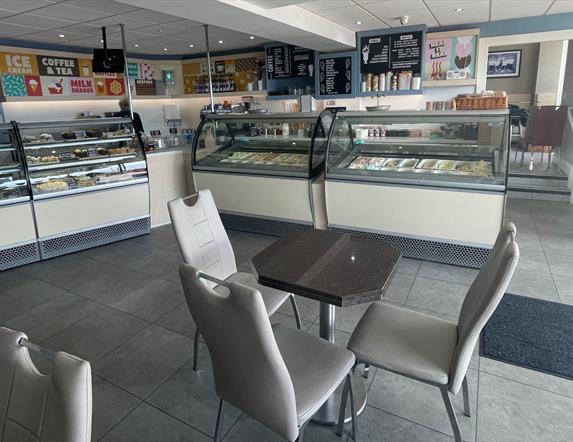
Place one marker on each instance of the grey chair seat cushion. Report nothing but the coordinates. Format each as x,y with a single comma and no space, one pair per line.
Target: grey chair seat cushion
316,367
406,342
272,298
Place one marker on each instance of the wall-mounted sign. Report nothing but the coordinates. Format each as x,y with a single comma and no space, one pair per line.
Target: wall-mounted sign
17,63
302,62
279,62
82,86
391,52
133,70
58,66
145,87
335,76
451,55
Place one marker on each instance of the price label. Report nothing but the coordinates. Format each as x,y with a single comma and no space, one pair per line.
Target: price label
64,156
92,153
173,130
155,133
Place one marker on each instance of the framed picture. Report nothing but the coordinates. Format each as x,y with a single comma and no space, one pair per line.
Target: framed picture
503,63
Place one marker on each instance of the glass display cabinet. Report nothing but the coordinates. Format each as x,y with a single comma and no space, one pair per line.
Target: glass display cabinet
87,176
17,234
434,182
262,166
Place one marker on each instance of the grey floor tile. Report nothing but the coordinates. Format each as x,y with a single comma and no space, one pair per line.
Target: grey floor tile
147,424
409,266
560,264
159,263
510,411
178,320
15,299
523,375
376,425
308,308
53,316
564,284
422,403
528,239
98,334
532,261
190,396
556,242
110,405
153,300
120,253
144,362
10,279
538,285
289,321
399,288
347,317
437,296
448,273
113,286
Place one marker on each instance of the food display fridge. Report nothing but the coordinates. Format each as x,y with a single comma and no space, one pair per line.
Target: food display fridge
88,182
18,243
264,170
432,184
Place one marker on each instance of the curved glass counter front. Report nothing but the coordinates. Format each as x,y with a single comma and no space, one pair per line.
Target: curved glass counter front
453,149
282,144
13,182
82,155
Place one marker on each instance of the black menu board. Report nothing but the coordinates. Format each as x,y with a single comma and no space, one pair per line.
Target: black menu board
335,75
302,60
279,62
401,51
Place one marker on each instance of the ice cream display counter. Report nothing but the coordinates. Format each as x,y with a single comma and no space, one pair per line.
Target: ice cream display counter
431,183
18,244
262,168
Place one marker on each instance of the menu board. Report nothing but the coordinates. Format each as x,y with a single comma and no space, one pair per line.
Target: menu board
391,52
279,62
335,75
302,62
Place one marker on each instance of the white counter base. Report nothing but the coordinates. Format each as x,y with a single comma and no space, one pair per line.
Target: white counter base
18,245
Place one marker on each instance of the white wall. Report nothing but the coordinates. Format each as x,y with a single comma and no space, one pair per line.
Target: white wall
550,72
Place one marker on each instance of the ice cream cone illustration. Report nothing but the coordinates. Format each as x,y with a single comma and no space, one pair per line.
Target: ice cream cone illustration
100,85
33,85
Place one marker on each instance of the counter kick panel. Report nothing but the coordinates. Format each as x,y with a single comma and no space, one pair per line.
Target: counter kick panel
16,224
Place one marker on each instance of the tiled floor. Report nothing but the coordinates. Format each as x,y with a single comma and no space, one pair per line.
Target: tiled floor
121,308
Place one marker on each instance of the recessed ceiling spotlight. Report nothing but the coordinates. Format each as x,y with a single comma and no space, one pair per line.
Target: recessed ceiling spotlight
160,30
251,37
135,45
61,35
358,22
101,41
459,9
191,46
220,42
164,49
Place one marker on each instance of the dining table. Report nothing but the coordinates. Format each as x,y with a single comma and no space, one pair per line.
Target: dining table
337,269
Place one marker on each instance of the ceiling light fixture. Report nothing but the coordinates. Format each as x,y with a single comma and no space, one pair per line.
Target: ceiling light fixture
220,42
191,46
164,49
358,22
459,9
136,45
251,37
101,41
61,35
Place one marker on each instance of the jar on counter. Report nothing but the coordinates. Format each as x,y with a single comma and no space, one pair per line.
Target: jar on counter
389,76
382,82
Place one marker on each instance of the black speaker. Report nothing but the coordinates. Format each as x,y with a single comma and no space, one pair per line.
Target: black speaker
108,60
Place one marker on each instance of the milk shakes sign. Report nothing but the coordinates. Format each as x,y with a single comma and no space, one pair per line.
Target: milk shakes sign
58,66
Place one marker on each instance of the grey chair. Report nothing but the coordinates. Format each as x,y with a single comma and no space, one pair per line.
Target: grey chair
276,374
37,407
433,350
205,245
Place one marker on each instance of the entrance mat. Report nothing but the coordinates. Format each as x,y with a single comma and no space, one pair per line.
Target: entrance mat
531,333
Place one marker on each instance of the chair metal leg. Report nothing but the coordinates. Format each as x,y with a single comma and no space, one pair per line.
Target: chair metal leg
451,414
352,408
342,413
295,311
366,371
466,394
195,349
219,424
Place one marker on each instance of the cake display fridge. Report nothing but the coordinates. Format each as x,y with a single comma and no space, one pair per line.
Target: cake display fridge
431,183
264,170
18,243
88,182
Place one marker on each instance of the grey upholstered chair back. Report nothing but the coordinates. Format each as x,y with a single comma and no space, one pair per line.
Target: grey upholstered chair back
248,367
201,236
37,407
480,302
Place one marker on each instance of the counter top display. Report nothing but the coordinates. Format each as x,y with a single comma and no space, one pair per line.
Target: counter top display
290,145
81,155
442,149
13,182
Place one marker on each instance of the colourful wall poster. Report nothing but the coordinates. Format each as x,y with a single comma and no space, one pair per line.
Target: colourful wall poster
18,63
55,86
85,65
456,54
81,86
133,70
146,71
58,66
14,85
33,85
114,86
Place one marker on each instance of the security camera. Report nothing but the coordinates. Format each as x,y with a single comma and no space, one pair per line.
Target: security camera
404,20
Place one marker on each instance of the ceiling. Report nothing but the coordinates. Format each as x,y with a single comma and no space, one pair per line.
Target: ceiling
80,22
151,31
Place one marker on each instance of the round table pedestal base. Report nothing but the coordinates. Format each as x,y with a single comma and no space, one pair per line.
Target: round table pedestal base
328,413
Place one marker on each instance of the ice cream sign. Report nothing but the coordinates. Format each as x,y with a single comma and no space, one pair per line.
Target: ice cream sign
58,66
19,64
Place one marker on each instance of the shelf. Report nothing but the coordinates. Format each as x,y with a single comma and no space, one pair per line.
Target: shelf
78,190
383,94
66,164
10,169
449,83
222,94
77,142
17,200
282,97
8,149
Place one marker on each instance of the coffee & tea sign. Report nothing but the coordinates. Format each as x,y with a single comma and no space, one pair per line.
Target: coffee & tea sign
58,66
